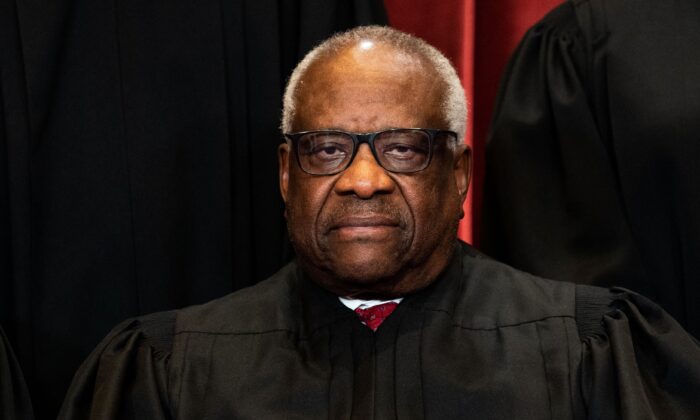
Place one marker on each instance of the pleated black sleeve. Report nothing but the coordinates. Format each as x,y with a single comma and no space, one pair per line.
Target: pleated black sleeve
14,398
637,362
591,172
125,377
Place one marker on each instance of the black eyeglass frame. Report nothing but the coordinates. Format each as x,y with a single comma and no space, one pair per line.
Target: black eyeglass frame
360,138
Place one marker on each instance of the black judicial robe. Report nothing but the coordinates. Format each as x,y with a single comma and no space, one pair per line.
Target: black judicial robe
14,397
592,166
484,341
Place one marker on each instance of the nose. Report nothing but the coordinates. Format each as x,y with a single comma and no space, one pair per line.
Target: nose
364,177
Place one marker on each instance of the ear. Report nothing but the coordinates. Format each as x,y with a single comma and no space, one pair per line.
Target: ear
462,169
283,155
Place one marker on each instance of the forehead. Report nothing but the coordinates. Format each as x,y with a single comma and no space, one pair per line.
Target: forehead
368,89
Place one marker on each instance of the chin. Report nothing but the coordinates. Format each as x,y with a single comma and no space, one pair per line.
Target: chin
367,262
363,274
360,275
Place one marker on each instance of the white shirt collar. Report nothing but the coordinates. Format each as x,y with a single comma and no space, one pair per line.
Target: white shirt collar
361,303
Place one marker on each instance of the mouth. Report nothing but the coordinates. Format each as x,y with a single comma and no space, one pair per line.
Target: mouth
363,221
363,227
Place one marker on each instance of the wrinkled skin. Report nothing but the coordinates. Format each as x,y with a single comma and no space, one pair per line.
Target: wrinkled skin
367,232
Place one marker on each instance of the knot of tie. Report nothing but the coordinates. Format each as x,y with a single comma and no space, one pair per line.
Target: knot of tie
375,315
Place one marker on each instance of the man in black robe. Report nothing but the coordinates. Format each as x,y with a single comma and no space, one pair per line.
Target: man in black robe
373,217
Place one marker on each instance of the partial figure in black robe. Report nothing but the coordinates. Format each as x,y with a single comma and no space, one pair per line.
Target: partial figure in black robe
592,164
14,397
483,341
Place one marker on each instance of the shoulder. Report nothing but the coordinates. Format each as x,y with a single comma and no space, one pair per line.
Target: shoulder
511,280
562,23
507,296
562,17
113,379
153,331
633,351
592,304
599,311
553,44
264,306
488,294
235,311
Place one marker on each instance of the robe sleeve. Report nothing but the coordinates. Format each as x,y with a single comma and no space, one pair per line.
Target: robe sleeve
637,361
125,377
14,397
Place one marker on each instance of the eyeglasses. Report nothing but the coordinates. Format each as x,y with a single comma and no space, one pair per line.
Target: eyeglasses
400,150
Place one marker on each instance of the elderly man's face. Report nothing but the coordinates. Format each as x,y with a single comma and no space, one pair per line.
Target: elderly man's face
366,231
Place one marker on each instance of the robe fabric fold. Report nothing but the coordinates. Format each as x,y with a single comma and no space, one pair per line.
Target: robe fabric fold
483,341
14,398
592,160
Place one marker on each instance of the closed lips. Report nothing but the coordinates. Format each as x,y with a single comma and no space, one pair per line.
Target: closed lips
373,221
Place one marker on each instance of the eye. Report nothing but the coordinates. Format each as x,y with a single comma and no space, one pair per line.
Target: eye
328,151
403,151
323,148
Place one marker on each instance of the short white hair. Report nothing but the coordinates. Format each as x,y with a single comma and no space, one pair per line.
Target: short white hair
454,104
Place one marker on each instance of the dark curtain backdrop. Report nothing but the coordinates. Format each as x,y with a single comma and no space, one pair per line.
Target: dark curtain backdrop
137,161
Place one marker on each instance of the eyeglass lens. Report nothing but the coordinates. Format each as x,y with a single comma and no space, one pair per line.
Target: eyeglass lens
396,150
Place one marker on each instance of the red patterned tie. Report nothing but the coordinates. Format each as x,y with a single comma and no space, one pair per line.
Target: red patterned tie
375,315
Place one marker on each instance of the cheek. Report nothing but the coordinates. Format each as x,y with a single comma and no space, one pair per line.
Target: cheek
435,207
306,198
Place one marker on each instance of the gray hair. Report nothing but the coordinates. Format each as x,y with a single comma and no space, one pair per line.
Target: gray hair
454,105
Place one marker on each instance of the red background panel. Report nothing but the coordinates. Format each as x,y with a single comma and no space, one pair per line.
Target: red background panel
478,36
